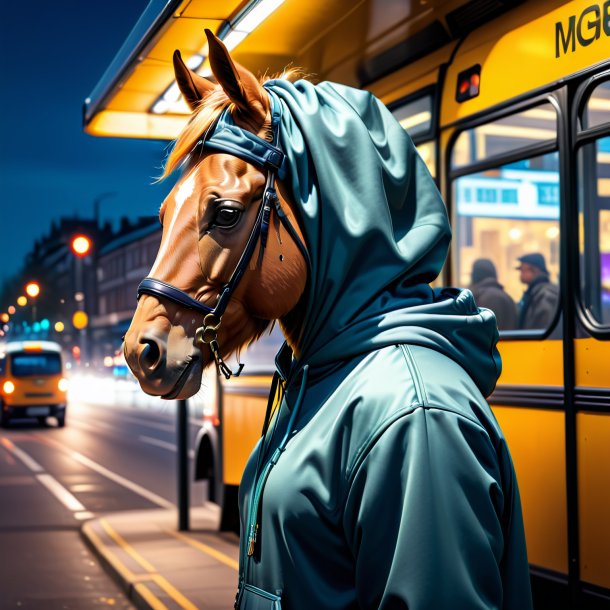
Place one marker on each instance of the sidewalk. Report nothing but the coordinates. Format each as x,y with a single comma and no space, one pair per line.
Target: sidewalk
160,568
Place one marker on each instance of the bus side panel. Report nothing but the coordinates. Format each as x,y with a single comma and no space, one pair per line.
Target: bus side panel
593,455
592,358
243,418
536,363
594,497
536,438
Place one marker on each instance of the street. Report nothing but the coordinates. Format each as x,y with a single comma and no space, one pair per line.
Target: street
106,459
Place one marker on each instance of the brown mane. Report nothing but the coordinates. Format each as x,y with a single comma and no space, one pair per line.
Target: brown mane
209,109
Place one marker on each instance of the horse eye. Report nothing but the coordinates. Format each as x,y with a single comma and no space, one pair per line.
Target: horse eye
227,218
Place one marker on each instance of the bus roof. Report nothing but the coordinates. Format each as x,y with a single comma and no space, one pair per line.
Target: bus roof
31,346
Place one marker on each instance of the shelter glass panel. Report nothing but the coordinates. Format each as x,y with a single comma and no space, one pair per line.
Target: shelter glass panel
506,135
507,236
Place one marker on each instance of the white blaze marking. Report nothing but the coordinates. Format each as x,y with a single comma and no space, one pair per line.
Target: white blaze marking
185,191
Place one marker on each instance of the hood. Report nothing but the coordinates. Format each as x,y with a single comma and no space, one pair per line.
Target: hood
377,233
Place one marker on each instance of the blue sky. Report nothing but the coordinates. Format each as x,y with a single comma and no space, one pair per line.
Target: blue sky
51,56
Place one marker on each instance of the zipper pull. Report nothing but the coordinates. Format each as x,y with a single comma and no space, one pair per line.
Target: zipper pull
252,539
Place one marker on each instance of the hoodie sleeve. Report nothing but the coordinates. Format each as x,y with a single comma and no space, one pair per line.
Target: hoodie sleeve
424,516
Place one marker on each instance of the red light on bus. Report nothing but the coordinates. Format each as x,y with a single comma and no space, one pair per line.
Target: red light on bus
468,84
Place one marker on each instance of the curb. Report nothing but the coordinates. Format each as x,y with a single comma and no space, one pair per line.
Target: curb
113,566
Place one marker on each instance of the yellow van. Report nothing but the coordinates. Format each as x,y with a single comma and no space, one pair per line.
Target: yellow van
32,381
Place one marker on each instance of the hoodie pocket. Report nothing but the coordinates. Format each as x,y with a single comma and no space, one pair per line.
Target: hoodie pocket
253,598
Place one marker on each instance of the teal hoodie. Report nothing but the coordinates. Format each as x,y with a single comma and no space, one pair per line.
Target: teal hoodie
383,479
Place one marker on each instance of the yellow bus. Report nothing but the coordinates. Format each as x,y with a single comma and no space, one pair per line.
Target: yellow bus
509,105
32,382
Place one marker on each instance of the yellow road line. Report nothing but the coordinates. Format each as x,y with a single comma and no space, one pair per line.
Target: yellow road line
123,570
161,581
154,602
178,597
208,550
127,547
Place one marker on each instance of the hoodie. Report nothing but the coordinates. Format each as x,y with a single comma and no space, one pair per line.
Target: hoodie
382,479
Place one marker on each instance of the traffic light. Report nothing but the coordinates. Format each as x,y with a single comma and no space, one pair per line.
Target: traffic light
80,245
32,289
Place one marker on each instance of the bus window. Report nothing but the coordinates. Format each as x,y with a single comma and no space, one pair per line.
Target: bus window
415,115
598,107
427,151
416,118
507,235
507,135
594,210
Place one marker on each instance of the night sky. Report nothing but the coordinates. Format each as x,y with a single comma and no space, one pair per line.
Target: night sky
52,54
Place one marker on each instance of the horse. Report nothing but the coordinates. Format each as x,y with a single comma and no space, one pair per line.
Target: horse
382,479
207,220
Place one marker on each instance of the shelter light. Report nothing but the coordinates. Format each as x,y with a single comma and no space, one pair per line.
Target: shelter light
8,387
515,234
32,289
233,38
160,107
254,17
59,327
22,301
193,63
11,309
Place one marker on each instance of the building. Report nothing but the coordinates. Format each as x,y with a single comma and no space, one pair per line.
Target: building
121,264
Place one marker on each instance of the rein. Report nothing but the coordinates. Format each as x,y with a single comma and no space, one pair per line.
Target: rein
229,138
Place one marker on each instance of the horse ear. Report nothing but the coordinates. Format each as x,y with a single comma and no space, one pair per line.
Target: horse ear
192,86
241,86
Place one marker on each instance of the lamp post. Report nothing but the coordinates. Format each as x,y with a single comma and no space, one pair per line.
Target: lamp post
32,289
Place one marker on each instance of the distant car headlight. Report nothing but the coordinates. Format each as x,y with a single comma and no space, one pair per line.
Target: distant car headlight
8,387
63,385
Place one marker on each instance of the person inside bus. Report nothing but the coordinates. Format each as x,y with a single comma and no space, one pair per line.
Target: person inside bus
488,292
539,301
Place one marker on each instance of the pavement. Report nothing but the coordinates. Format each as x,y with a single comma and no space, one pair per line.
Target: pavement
161,568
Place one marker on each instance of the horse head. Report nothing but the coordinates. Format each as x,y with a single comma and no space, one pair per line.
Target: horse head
213,215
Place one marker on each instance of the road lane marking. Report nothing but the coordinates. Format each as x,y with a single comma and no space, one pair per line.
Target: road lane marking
204,548
31,463
61,493
161,581
117,478
164,445
158,443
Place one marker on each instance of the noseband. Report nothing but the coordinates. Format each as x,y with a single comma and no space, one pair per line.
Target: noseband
226,137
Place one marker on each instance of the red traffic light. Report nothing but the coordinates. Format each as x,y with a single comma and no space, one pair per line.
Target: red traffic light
81,245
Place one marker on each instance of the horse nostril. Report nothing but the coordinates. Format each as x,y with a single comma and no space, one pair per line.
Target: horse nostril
151,355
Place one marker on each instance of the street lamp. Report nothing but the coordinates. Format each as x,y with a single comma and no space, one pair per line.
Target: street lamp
22,301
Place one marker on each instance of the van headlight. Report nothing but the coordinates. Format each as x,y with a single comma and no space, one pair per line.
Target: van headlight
63,385
8,387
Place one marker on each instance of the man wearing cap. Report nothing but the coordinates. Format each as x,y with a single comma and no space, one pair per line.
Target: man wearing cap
488,292
539,302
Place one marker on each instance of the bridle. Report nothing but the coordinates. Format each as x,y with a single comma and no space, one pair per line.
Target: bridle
225,136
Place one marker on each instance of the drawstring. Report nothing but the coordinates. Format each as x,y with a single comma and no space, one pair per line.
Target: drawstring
256,497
